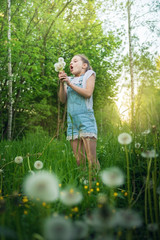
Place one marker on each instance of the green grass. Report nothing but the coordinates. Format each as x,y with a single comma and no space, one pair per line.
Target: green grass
26,219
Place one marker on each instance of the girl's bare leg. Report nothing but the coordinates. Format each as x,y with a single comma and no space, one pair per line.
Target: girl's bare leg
79,151
90,148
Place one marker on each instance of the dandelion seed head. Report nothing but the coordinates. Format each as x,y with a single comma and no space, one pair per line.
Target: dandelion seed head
42,185
70,196
124,138
38,164
18,159
137,145
58,228
112,177
149,154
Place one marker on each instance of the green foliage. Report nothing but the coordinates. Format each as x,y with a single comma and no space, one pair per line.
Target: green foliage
42,31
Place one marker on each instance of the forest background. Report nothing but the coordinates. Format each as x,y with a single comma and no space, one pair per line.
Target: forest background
43,31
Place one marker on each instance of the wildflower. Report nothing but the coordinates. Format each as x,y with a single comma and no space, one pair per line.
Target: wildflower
18,160
60,185
97,189
152,227
115,194
137,145
70,197
42,185
124,138
24,199
149,154
60,65
128,218
85,187
80,230
44,204
25,212
146,132
125,194
38,164
58,228
101,198
112,177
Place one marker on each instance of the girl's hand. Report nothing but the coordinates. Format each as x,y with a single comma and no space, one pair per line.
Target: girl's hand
63,77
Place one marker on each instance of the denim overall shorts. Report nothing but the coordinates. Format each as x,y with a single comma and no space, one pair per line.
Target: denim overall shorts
80,120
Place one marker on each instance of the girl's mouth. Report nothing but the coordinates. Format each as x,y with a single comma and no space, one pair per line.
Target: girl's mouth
71,68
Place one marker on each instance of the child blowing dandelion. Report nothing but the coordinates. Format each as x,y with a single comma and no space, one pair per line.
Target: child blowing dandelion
82,128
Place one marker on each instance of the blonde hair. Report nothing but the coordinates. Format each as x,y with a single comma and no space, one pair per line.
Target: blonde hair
85,60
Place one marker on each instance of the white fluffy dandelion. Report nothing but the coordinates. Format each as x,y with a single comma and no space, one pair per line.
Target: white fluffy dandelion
137,145
112,177
38,164
149,154
128,218
58,228
70,196
124,138
42,185
18,159
59,66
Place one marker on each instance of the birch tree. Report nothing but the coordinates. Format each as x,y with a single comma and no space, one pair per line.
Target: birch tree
9,130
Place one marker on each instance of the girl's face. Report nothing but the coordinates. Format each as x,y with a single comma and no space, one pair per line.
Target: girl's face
77,67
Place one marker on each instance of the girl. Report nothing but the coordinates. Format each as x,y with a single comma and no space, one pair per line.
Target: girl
82,128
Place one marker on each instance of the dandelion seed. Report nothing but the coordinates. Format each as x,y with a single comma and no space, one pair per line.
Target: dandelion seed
128,218
38,164
18,160
58,228
149,154
112,177
42,185
124,138
137,145
70,197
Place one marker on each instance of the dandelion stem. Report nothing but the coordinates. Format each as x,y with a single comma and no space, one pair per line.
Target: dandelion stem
128,175
29,166
146,187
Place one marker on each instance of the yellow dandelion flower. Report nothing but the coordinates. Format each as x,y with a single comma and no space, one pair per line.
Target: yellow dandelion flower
60,185
25,212
89,192
1,198
125,194
97,189
71,190
97,183
75,209
25,199
92,190
85,187
44,204
122,191
100,205
115,194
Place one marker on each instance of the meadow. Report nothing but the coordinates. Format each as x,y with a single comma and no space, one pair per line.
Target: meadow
126,206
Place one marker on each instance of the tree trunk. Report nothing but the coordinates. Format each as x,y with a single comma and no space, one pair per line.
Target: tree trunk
131,65
9,129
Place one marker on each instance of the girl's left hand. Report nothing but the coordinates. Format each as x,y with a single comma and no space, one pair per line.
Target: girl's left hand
64,78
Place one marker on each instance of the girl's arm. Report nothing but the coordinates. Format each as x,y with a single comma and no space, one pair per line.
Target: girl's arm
62,92
84,92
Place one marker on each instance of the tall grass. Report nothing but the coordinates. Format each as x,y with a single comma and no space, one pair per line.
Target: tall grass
23,219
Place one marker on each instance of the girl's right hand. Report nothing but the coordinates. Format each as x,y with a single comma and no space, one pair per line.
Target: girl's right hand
62,75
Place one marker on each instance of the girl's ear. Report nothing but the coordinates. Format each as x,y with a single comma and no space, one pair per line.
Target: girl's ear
85,65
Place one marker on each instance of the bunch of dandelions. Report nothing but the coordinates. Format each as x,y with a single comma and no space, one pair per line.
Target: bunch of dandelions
59,66
42,186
